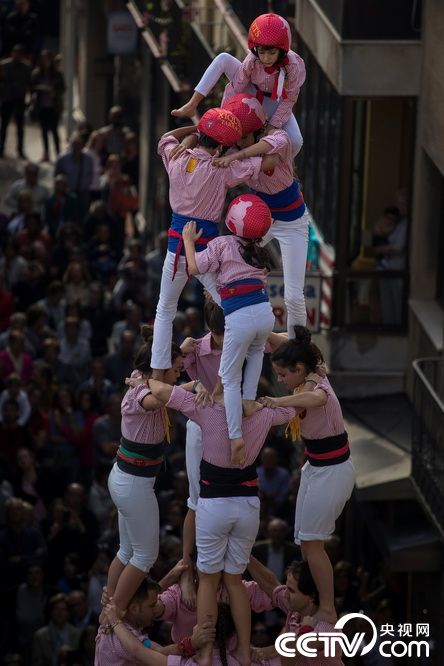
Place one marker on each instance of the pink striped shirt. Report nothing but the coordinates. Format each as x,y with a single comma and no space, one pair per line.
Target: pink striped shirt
325,421
139,425
282,176
252,71
203,363
184,619
213,422
174,660
224,258
110,651
197,187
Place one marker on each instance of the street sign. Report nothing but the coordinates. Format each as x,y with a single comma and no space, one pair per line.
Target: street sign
121,33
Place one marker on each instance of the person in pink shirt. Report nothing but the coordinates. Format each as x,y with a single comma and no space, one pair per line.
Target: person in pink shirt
328,476
224,630
197,191
271,72
171,608
240,268
299,599
227,517
280,191
112,651
201,362
131,480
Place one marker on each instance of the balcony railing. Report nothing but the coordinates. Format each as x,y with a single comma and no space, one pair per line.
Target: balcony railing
428,435
374,19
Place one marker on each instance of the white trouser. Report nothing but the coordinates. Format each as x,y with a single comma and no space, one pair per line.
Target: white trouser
170,291
193,456
226,528
246,332
322,495
224,63
138,518
292,237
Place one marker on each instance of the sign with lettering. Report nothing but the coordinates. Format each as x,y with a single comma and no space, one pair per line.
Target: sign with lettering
312,290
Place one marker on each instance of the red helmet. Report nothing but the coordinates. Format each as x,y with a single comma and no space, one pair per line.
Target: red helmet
248,216
221,125
249,111
269,30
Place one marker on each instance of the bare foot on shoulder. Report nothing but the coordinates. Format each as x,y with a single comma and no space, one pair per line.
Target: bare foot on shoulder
250,407
188,110
237,451
204,657
158,375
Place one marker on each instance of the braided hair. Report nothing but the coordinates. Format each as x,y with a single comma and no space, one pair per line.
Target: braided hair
255,255
299,350
224,630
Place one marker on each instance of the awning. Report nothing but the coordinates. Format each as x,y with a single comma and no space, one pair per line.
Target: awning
383,469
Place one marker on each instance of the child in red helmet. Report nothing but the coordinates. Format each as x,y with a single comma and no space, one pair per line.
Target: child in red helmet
197,192
271,71
240,267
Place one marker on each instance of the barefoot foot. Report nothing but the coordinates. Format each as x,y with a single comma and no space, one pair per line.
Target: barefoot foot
158,375
188,110
188,590
237,451
244,658
250,407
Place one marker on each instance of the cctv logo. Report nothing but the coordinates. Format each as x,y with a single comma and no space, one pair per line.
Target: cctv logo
307,645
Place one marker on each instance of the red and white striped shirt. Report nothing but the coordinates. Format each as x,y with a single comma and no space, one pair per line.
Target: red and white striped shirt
213,422
282,176
223,257
197,187
324,421
138,424
253,71
203,362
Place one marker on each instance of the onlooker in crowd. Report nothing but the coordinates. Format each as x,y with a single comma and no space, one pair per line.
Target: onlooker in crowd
57,634
120,363
97,384
106,430
76,281
132,322
25,206
77,166
17,322
74,354
14,359
14,391
29,183
53,304
274,481
15,79
6,305
12,265
30,607
12,435
115,132
276,552
130,158
61,207
48,86
22,27
95,149
99,499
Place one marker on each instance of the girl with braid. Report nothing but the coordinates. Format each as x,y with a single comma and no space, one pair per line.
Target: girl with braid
131,481
328,476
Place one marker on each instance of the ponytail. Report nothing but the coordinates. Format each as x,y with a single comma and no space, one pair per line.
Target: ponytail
299,350
224,630
255,255
142,361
